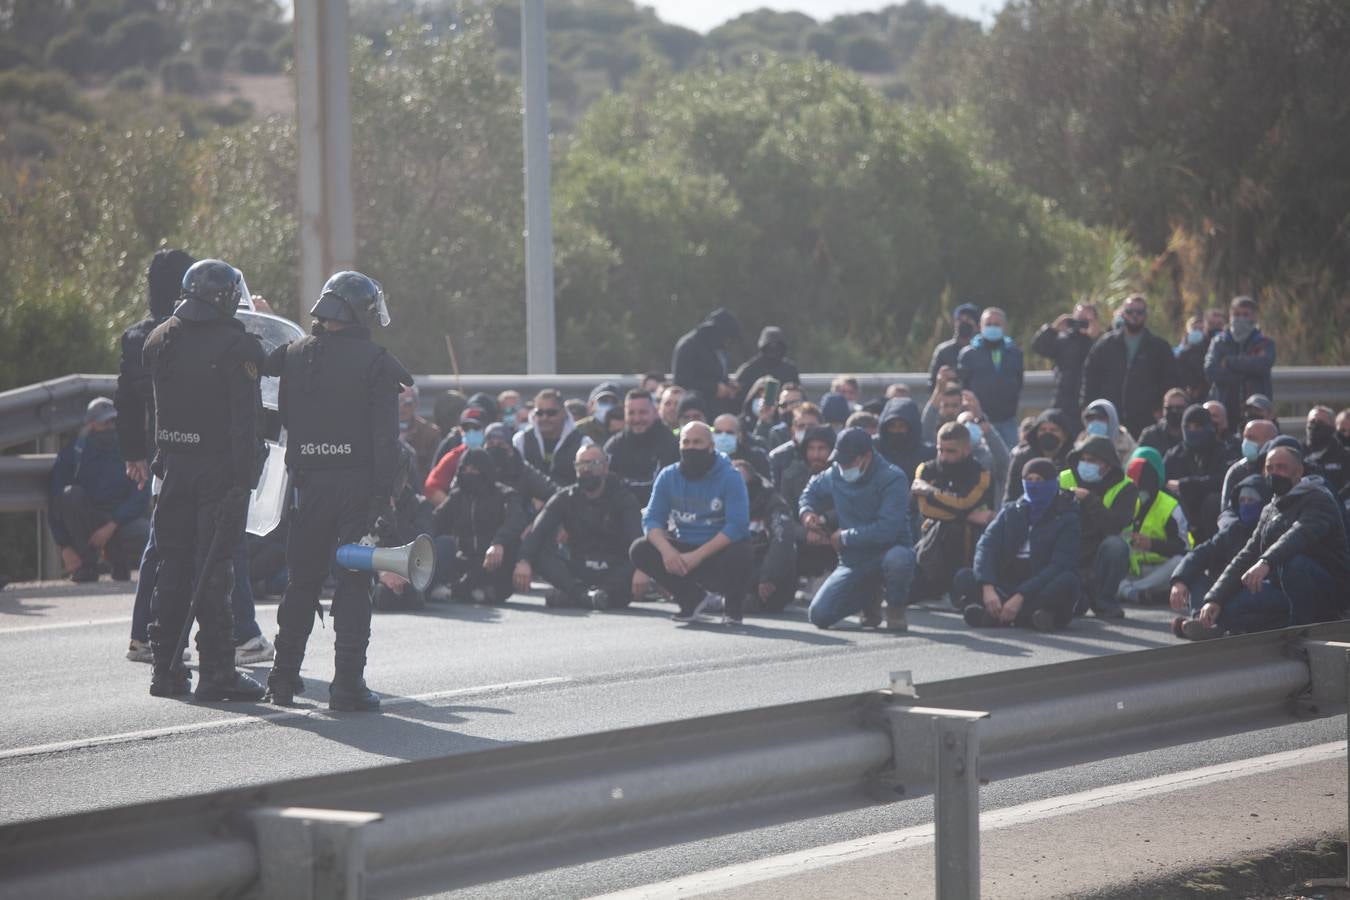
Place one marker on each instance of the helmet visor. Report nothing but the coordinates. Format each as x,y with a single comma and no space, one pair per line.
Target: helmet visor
245,298
379,310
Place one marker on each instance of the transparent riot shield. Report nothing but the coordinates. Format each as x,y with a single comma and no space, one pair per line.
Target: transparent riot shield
268,502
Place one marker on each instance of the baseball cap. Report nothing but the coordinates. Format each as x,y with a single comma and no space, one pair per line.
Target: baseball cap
473,415
850,445
99,410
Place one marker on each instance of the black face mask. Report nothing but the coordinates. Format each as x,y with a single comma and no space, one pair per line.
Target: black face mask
473,482
1174,417
590,483
1048,442
1344,439
1320,435
696,463
1279,484
965,329
103,440
774,351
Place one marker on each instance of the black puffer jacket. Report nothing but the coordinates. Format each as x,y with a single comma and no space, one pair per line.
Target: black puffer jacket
1304,522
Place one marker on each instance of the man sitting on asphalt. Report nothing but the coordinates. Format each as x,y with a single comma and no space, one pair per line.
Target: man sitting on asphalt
697,528
729,440
1106,505
773,533
1195,470
871,498
1293,568
1026,562
1160,535
1256,435
1324,451
955,498
604,397
95,509
552,440
485,520
602,520
1201,567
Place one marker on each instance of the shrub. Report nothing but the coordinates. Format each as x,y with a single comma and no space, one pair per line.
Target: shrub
253,58
181,76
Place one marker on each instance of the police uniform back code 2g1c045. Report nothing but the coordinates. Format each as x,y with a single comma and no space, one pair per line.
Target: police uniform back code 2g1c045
329,386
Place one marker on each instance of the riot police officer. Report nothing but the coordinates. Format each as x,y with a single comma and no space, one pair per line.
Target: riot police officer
204,367
339,404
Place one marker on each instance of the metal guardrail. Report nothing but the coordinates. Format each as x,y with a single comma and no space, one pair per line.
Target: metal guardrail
395,825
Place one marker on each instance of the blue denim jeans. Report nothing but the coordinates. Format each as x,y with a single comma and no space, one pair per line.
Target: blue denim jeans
848,590
241,598
1008,431
1300,592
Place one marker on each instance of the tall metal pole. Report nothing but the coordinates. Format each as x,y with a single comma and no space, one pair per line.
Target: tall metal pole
540,343
323,106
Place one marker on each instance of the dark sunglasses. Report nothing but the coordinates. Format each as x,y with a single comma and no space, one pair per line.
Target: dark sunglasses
1135,313
545,411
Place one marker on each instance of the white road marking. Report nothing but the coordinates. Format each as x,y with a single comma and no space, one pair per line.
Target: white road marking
922,835
52,626
119,620
127,737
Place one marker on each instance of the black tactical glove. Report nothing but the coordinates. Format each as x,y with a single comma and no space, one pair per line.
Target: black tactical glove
382,523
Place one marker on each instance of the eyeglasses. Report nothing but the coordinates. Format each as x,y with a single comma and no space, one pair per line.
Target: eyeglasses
546,411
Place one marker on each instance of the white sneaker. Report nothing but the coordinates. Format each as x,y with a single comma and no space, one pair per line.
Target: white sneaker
139,651
258,650
439,594
710,605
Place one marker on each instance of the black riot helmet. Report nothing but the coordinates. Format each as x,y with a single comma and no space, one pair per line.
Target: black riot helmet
213,284
352,298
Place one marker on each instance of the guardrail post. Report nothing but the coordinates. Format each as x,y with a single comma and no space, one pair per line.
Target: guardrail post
955,737
311,854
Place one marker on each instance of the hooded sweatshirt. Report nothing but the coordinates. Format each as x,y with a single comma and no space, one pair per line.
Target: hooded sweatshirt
555,462
1125,444
487,513
771,360
798,472
1146,471
1198,470
905,451
699,362
1024,452
1099,519
1203,565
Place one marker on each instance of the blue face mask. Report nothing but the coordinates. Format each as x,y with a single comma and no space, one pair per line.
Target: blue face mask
1039,494
1195,336
1249,513
473,438
976,435
992,332
602,410
1090,472
849,475
724,443
1250,449
757,405
1098,428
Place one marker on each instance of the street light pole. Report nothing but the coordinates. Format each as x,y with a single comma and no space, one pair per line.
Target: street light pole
541,344
323,108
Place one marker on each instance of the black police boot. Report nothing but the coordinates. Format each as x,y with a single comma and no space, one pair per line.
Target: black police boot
170,681
348,691
218,678
284,683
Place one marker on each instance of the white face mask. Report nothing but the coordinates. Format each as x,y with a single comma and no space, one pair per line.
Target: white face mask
849,475
798,436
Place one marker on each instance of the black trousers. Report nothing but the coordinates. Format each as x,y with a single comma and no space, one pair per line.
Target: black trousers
727,572
330,507
576,575
1058,596
779,571
185,526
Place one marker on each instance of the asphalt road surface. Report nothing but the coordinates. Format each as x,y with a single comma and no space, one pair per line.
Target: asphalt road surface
82,732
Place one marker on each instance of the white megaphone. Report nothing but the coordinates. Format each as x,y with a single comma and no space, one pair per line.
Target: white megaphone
415,562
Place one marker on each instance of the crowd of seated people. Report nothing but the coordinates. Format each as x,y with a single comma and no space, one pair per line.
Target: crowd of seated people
1160,475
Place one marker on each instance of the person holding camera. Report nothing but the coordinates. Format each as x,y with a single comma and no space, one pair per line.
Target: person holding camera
1066,342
